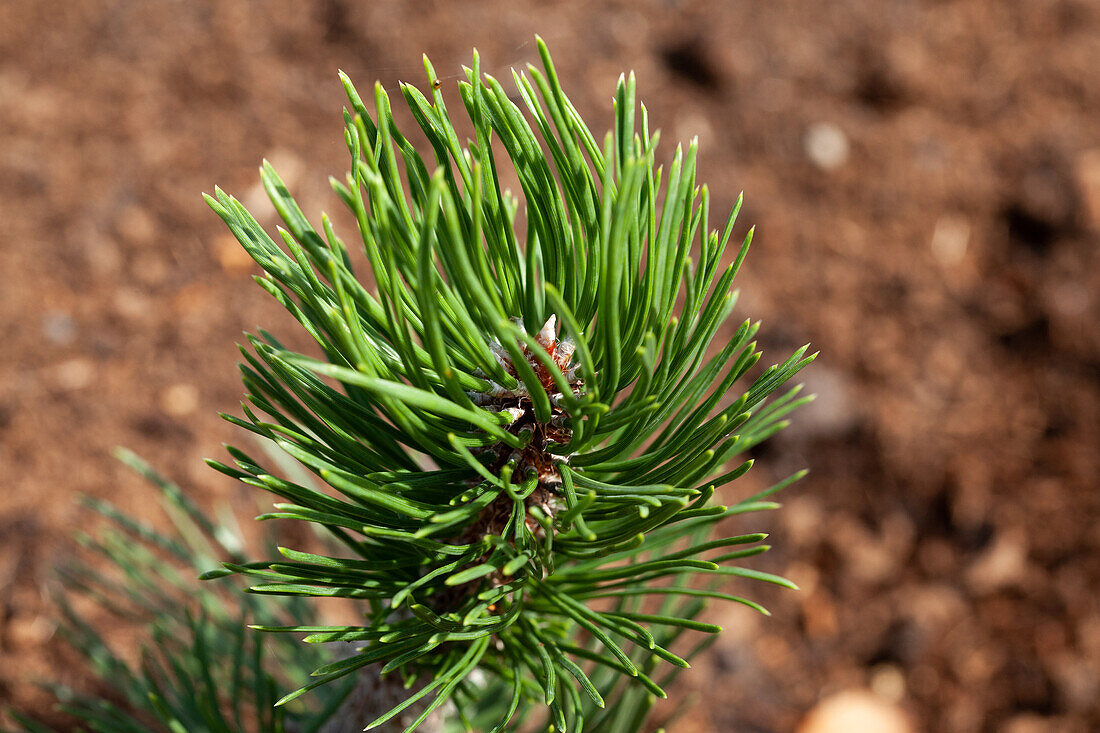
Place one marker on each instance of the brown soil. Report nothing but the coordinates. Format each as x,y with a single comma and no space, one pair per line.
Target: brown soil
925,178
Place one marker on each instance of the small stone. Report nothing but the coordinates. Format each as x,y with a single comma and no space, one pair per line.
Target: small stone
1086,174
855,710
131,304
179,400
73,374
27,632
826,145
888,682
950,239
1004,564
58,328
834,410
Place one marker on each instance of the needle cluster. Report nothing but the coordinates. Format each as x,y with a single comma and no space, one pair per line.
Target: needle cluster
524,414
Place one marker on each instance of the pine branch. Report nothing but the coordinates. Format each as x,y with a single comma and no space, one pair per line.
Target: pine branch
515,437
199,667
502,427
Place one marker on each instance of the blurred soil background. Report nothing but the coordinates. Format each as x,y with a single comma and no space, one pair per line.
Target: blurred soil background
925,181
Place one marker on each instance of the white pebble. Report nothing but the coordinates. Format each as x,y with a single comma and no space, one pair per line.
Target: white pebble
826,145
